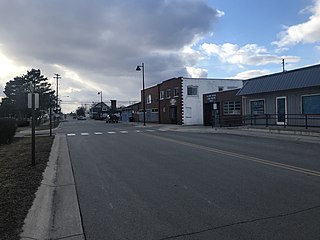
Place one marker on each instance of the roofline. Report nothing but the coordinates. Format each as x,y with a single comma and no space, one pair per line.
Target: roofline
217,79
279,73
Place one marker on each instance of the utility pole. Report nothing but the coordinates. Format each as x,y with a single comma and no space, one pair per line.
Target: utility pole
283,69
57,77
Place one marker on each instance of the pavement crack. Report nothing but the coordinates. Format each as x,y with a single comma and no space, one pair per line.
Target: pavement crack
241,222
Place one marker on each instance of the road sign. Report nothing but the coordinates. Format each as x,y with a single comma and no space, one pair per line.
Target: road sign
36,99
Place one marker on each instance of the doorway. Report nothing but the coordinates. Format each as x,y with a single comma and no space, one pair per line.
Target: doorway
281,110
173,115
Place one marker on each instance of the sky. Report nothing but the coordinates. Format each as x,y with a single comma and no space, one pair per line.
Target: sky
96,45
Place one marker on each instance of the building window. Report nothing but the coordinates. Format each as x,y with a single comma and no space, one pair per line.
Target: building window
231,108
155,110
220,89
161,95
257,107
168,93
149,99
192,90
311,104
176,92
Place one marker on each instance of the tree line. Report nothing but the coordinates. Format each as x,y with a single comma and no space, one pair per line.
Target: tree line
15,102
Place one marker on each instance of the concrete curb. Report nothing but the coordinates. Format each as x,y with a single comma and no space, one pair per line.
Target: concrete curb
55,212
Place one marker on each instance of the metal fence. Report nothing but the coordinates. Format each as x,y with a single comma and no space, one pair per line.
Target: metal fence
295,120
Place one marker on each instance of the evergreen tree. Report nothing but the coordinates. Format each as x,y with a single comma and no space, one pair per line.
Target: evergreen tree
17,90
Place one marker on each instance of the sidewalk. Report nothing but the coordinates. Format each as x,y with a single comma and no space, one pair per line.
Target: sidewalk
296,133
55,212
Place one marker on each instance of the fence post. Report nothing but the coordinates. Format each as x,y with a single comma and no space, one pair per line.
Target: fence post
267,120
306,121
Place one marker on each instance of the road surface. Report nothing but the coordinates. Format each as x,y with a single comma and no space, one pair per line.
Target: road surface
136,182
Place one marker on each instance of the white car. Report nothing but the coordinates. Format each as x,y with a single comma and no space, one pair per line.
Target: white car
81,118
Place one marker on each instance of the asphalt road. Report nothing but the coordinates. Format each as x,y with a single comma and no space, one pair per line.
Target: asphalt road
136,182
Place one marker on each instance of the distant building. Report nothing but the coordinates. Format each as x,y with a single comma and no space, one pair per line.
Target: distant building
131,113
99,110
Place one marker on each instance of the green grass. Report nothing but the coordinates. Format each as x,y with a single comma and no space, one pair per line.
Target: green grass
19,181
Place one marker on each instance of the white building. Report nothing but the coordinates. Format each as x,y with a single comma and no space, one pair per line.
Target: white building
192,96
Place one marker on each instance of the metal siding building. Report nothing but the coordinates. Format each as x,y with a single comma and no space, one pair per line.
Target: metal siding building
281,94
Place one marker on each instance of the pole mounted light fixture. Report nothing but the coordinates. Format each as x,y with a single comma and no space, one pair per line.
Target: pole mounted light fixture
139,68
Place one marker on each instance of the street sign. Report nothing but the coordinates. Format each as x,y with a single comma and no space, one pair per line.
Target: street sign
36,99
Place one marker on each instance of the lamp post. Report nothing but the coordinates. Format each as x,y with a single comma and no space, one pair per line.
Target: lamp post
100,93
139,67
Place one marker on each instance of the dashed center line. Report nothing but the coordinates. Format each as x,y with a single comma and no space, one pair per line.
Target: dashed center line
71,134
98,133
123,131
111,132
84,134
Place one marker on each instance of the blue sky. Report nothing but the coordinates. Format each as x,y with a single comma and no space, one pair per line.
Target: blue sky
260,23
96,45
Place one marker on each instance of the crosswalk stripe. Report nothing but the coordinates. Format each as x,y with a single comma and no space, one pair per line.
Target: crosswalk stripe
122,131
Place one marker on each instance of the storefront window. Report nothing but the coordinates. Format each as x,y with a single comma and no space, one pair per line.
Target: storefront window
311,104
257,107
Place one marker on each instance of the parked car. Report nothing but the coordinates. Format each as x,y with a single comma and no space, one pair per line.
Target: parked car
112,118
81,118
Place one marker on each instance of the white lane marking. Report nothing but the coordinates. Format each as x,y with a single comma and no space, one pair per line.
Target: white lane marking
138,131
124,131
162,130
71,134
150,130
111,132
84,134
98,133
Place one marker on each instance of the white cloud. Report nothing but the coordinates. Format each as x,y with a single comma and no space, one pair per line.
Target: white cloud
250,54
197,72
306,32
251,74
220,13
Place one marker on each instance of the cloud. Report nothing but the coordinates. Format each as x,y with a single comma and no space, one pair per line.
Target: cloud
102,41
197,72
251,74
306,32
250,54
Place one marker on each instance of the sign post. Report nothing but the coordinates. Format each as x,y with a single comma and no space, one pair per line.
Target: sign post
33,103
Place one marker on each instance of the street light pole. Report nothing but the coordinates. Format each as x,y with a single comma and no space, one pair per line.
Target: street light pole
100,93
143,93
